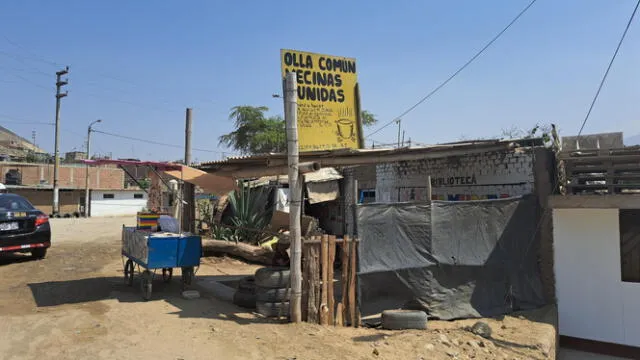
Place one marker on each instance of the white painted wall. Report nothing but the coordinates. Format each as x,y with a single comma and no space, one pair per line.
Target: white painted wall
593,302
123,203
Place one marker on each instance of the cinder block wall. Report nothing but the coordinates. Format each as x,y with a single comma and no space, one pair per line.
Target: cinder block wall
366,176
472,177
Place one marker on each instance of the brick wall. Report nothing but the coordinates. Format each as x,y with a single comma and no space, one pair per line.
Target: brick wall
42,199
473,177
70,176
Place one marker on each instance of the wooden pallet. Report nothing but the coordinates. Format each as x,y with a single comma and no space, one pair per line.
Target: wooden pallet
612,171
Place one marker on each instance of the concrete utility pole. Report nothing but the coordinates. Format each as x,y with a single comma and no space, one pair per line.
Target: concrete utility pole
87,200
188,190
56,153
295,194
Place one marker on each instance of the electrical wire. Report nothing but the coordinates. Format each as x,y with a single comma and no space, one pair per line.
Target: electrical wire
127,102
547,210
156,142
32,71
34,57
15,120
606,73
31,82
12,119
444,83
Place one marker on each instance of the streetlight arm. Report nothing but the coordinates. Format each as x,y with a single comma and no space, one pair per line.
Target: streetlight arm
93,123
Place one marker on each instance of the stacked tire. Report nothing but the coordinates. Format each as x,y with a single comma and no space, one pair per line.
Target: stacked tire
245,295
272,291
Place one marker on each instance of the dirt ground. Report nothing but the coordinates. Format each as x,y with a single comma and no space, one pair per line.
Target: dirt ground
74,305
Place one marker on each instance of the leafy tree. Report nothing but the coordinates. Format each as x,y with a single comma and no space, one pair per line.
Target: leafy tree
368,119
258,134
255,133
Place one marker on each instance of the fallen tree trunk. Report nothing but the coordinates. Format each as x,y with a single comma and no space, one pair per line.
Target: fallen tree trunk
255,254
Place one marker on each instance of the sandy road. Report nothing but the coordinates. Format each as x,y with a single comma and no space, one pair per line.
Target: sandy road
74,305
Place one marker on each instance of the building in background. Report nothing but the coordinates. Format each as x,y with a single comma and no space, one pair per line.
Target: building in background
75,156
35,182
117,202
16,148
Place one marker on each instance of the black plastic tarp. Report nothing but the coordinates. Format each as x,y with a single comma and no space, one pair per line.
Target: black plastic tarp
451,259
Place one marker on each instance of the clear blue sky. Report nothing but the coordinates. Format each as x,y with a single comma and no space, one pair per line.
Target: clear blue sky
212,55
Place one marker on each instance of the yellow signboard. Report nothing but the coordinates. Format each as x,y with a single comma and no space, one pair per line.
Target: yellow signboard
327,109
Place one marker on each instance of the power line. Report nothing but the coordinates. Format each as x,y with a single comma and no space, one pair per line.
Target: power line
547,210
35,57
606,73
23,121
26,123
31,82
456,72
163,108
127,102
157,142
33,71
12,119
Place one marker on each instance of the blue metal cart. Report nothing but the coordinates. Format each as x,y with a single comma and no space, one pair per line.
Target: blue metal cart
153,251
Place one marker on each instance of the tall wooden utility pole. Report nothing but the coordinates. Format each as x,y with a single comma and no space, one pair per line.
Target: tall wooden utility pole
188,190
295,194
56,153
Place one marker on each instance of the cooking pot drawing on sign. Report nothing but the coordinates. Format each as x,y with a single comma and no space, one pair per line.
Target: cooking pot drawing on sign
346,129
346,126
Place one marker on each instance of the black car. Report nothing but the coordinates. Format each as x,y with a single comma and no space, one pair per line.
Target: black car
23,228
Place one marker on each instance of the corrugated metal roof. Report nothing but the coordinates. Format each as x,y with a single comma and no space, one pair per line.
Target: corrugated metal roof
259,159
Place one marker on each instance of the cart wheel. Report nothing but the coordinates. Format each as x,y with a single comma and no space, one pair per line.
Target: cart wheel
187,276
146,286
167,274
128,272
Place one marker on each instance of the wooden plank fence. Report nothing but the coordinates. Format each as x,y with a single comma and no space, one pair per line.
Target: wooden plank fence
319,302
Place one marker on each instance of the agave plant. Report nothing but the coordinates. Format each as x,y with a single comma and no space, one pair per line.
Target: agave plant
251,212
221,232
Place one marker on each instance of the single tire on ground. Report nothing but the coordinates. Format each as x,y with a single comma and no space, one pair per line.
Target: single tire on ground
272,309
247,284
272,295
39,253
272,277
245,299
404,319
128,272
